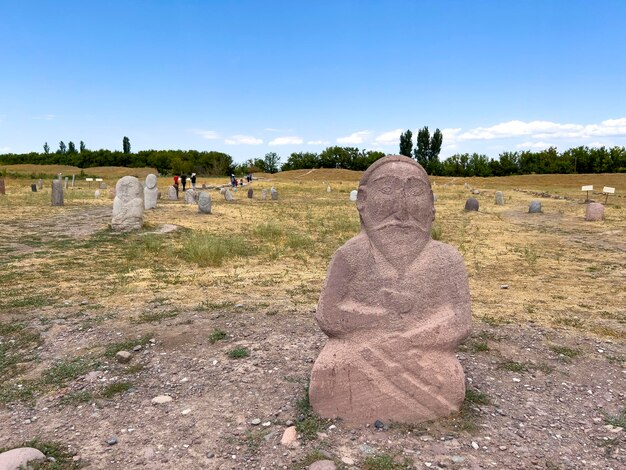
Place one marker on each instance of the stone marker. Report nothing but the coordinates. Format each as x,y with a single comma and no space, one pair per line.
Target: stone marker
97,194
471,204
204,203
15,459
171,193
395,307
264,195
33,187
274,194
203,185
190,196
150,192
499,198
328,189
228,195
67,180
103,185
250,193
57,192
40,183
594,212
535,207
128,205
353,195
434,197
73,180
112,193
2,186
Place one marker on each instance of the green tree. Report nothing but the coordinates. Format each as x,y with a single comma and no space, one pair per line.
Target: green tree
62,147
423,144
82,146
46,148
406,143
71,148
271,162
433,153
126,145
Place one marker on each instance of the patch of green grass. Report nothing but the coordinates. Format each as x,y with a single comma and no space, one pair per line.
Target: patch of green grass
253,439
217,305
573,322
63,460
616,359
476,397
238,353
23,391
618,420
436,232
309,458
268,231
217,335
208,250
514,366
566,352
17,346
76,398
66,370
34,301
385,462
296,241
115,388
112,349
308,423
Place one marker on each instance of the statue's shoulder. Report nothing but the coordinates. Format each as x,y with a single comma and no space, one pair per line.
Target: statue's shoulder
446,254
353,250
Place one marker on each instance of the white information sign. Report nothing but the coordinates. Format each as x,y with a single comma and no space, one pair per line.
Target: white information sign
98,179
608,190
587,188
88,179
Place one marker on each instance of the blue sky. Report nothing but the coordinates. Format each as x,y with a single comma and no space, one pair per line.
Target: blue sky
250,77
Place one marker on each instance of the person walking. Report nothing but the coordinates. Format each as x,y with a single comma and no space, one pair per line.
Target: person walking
183,179
176,178
193,181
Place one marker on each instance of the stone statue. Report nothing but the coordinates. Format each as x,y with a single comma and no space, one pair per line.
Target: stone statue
150,192
128,205
395,307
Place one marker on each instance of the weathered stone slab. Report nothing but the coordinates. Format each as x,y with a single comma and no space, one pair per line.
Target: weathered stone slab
96,194
16,459
39,183
594,212
57,192
128,205
535,207
395,307
274,194
172,194
250,193
2,186
204,203
150,192
499,198
264,194
471,204
228,195
190,196
353,195
33,187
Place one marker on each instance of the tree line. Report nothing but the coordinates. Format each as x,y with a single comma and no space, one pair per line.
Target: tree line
426,151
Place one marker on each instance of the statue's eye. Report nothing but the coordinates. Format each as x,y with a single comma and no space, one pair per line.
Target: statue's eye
386,190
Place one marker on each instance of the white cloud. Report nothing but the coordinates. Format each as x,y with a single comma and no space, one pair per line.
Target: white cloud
46,117
389,138
354,138
290,140
243,140
272,129
318,142
209,135
535,145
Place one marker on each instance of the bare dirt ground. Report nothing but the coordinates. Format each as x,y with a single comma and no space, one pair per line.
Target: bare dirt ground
545,364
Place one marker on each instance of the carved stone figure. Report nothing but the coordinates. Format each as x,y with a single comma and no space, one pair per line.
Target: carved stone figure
57,192
499,198
204,203
535,207
395,307
150,192
471,204
594,211
128,205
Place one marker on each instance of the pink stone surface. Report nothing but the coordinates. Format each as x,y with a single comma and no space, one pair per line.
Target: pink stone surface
595,211
15,459
395,307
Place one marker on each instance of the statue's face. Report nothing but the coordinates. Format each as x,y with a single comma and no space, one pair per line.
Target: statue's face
397,198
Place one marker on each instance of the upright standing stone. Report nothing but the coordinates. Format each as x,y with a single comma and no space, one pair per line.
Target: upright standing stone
2,186
264,194
172,194
328,189
57,192
274,194
150,192
203,185
471,204
228,195
499,198
190,196
103,185
73,180
250,193
353,195
33,187
535,207
594,212
128,205
112,193
96,194
40,184
395,307
204,203
67,180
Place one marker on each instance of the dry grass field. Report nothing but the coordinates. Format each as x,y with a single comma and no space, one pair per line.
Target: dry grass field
219,310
